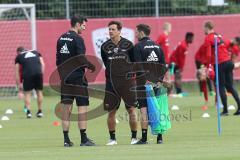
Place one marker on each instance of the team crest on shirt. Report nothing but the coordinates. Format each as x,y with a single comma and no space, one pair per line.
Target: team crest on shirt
101,35
115,50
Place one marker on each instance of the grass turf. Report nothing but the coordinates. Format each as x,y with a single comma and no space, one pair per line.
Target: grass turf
191,137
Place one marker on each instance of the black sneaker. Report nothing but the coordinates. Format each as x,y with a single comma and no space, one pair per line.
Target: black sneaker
39,114
160,141
29,115
141,142
224,113
89,142
237,113
68,144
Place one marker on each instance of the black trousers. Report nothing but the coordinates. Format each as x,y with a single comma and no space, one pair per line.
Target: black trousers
226,82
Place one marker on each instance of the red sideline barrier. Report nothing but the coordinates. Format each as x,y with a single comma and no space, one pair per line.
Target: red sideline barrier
49,30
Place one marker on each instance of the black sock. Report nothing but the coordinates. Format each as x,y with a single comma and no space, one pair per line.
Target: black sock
112,135
134,134
178,90
144,135
83,135
66,137
159,137
39,111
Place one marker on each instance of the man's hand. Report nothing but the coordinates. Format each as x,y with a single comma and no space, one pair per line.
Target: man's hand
19,87
91,67
236,65
167,84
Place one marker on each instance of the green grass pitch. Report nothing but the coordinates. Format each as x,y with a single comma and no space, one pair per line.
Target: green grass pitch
191,138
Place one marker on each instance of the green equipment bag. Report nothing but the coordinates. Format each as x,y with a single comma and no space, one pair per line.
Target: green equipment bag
158,113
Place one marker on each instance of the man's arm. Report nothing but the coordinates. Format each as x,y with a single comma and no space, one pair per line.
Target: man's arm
81,50
17,76
234,58
181,56
42,64
162,57
137,54
103,55
131,54
160,40
234,53
208,50
137,58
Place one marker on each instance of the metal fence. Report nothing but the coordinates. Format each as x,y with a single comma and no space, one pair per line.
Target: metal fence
60,9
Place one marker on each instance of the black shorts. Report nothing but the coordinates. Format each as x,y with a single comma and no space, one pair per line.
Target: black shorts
75,89
117,89
142,97
33,82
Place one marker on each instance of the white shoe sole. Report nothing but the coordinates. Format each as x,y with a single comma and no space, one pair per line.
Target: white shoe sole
40,115
134,141
111,143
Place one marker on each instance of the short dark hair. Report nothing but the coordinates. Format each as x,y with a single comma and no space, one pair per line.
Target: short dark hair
144,28
20,49
118,23
189,36
77,19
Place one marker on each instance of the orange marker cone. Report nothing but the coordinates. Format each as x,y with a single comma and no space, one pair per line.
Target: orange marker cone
56,123
204,108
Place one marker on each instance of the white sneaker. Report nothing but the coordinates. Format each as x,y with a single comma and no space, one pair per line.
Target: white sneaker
134,140
29,115
111,142
39,114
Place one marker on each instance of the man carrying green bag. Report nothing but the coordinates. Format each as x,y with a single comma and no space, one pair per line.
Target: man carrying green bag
148,53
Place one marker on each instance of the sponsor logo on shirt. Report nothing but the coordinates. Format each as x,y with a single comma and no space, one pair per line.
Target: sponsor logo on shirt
117,57
65,39
116,50
29,55
152,57
64,49
151,46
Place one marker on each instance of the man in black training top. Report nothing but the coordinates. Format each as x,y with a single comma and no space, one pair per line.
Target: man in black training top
146,51
33,67
116,53
71,47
